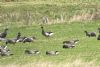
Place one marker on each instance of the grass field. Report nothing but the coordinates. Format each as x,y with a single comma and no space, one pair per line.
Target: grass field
68,19
86,50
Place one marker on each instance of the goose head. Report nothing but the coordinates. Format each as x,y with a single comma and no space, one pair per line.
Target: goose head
6,29
42,27
85,31
19,33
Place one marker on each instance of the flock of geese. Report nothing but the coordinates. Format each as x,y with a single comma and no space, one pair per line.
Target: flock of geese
4,51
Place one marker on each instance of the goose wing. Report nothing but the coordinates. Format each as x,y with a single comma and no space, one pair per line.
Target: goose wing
49,33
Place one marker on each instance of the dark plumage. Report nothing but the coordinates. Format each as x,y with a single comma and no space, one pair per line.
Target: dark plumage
98,38
29,39
69,44
99,30
32,52
90,34
47,34
52,52
13,41
3,34
19,38
10,41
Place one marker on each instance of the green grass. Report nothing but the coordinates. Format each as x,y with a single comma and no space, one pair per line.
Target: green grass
26,16
87,49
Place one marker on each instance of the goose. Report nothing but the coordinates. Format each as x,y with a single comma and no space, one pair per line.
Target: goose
32,52
99,30
98,38
70,43
46,34
3,34
10,41
13,41
4,51
52,52
90,34
29,39
19,38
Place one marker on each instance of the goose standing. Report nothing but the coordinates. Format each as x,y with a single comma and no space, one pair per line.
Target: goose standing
90,34
46,34
3,34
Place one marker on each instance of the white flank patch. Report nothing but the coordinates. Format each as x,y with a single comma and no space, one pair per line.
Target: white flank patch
51,34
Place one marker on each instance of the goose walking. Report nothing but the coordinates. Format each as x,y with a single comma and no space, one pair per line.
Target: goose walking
90,34
46,34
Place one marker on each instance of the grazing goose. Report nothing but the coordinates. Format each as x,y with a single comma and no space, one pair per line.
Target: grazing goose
52,52
13,41
29,39
69,44
32,52
19,38
90,34
3,34
47,34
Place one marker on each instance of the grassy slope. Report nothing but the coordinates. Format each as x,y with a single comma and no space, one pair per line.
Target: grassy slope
85,49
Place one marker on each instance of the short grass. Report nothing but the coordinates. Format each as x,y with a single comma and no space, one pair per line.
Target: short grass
88,49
